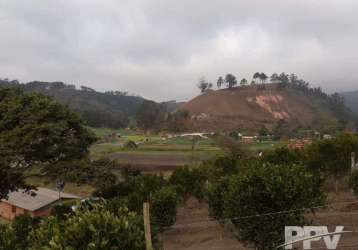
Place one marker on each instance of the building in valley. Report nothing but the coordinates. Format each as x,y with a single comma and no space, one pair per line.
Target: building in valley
34,202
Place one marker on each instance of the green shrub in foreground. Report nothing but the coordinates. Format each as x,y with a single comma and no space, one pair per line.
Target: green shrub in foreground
262,189
96,229
163,206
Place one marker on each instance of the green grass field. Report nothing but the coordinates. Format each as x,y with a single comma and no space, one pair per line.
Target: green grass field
151,144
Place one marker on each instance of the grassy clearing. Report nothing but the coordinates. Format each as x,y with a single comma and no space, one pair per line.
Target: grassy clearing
72,188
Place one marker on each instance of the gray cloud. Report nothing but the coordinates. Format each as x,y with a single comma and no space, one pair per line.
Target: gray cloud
160,48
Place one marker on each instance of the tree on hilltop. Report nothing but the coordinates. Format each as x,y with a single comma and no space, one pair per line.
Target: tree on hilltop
293,78
230,80
243,82
274,78
256,76
283,80
204,85
220,82
263,77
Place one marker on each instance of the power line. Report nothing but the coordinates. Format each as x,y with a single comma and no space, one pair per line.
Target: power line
265,214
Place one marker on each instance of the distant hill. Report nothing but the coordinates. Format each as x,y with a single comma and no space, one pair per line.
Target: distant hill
110,109
172,106
270,107
351,99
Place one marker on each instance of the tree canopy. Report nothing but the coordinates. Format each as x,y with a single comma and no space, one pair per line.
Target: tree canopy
90,229
262,189
220,82
230,80
204,85
36,130
110,109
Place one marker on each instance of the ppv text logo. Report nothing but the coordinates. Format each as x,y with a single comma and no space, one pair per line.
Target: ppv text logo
309,234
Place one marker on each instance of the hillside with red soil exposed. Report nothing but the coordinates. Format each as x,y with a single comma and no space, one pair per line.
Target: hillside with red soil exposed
249,108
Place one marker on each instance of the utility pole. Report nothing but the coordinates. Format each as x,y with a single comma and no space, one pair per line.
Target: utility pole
60,186
147,233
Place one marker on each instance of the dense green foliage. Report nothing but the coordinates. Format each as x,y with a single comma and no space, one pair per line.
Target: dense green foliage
150,115
110,109
158,116
188,182
10,178
284,155
164,206
7,238
262,189
94,228
86,171
332,156
137,189
16,235
90,229
36,130
280,180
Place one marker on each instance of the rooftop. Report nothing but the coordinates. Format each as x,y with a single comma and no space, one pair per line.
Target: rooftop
36,199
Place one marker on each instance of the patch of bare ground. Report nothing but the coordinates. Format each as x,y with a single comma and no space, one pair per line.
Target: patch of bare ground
248,108
158,162
342,212
195,230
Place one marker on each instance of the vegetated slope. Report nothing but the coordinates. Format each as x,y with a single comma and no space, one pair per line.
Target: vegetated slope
172,106
249,108
110,109
351,100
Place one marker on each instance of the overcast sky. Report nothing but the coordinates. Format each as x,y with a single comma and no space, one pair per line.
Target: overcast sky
160,48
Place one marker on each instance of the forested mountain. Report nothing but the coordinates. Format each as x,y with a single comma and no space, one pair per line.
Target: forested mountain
110,109
351,100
